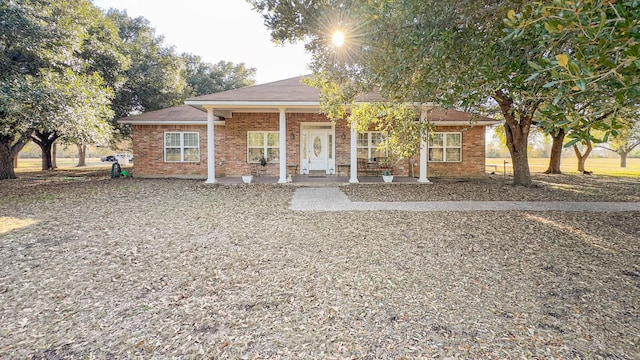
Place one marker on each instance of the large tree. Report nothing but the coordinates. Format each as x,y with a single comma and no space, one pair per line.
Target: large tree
38,39
154,80
26,45
453,53
627,137
102,52
15,129
68,105
569,123
593,59
98,68
448,53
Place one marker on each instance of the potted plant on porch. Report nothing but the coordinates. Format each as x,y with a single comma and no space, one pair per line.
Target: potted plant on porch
247,179
387,176
386,167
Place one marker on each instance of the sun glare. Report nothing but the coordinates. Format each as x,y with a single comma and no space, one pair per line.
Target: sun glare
338,38
8,223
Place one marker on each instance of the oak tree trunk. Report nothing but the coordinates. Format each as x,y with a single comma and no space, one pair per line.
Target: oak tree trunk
6,163
15,162
520,161
46,142
517,126
9,149
556,153
54,155
582,158
82,154
623,159
46,156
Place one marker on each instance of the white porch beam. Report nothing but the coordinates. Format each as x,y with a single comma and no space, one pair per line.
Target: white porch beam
211,146
423,152
227,114
353,179
283,146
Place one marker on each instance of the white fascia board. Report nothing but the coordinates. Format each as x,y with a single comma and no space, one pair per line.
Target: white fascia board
169,122
463,123
252,104
423,106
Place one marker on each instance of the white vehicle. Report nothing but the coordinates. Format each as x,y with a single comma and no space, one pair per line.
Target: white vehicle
124,158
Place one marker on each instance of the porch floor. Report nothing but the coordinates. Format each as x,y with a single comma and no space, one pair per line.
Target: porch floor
306,179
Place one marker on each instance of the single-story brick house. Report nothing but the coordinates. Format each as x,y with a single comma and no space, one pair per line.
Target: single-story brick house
247,129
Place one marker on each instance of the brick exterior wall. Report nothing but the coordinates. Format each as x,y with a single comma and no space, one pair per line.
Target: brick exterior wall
231,148
473,155
148,150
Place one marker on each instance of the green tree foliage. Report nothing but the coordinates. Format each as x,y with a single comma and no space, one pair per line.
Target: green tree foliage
158,77
27,43
15,130
448,53
592,61
61,62
469,54
73,106
580,119
42,43
204,78
154,80
590,44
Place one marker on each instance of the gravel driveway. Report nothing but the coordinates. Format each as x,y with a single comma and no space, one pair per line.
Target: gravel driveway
131,268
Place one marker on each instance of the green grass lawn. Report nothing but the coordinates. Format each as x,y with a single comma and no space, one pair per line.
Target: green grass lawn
569,165
31,165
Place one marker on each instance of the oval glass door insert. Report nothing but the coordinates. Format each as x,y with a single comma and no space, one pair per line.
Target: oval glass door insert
317,146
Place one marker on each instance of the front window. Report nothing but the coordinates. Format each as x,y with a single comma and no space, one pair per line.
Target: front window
263,144
181,147
445,147
368,143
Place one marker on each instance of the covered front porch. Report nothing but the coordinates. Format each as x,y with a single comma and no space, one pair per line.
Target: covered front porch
316,180
298,148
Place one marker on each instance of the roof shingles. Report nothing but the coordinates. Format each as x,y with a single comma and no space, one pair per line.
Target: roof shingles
286,92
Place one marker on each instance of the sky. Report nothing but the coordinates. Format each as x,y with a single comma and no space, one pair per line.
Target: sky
218,30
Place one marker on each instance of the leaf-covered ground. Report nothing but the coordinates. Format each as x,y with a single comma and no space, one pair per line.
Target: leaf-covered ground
97,268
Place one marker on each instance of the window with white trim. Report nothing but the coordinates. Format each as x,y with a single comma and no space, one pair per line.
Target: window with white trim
368,143
445,147
263,144
181,146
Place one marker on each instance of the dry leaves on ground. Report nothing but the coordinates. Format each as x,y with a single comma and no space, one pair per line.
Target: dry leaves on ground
175,268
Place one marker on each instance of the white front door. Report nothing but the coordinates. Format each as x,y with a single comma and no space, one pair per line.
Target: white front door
317,149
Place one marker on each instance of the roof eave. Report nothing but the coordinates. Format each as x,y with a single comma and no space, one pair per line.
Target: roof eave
251,104
164,122
464,123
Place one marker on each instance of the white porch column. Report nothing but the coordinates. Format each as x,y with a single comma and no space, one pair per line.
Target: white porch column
211,147
354,156
423,152
283,147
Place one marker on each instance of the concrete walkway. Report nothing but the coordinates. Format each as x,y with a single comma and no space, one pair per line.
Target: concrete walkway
332,199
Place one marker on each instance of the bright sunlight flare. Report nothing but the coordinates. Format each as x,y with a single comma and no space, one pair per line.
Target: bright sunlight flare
338,38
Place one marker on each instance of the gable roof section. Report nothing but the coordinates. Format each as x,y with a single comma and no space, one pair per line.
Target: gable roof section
291,90
291,94
286,91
